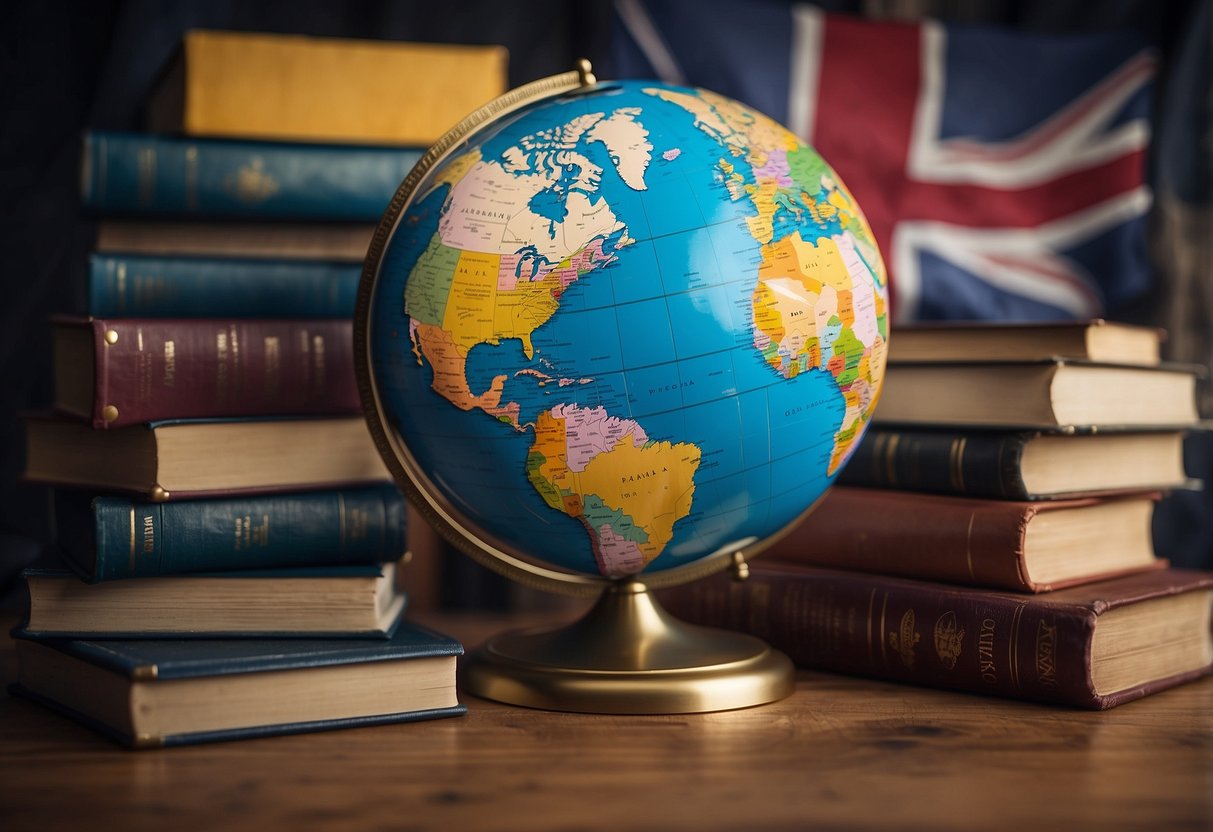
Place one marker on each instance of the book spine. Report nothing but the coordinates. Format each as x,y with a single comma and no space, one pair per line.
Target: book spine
150,369
136,539
976,464
127,285
974,542
145,174
906,631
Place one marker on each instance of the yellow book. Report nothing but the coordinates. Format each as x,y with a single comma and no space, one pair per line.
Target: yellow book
297,88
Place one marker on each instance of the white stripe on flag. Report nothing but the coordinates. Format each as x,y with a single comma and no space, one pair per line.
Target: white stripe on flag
640,26
807,28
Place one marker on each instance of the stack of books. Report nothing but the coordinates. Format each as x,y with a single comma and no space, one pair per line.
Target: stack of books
232,533
993,531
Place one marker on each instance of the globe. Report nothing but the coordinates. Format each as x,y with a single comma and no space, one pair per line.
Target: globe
622,330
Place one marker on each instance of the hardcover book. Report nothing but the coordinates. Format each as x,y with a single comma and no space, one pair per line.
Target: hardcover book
165,176
331,242
1018,546
106,538
113,372
1016,465
1094,340
148,694
1051,395
1093,646
184,458
297,88
136,286
346,602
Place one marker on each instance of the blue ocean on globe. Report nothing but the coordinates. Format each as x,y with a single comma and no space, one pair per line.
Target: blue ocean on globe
627,328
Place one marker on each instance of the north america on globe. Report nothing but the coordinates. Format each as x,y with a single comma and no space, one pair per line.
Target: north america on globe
633,328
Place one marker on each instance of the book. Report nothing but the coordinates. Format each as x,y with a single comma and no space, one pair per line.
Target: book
165,176
1093,646
1017,546
1049,394
297,88
358,601
334,242
113,372
152,693
1016,465
1094,340
137,286
182,458
108,537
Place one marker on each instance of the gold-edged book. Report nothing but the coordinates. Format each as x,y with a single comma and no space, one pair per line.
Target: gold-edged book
314,601
1094,340
1065,395
299,88
203,457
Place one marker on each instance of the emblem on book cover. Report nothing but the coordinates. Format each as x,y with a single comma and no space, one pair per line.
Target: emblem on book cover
251,183
904,639
949,639
1046,654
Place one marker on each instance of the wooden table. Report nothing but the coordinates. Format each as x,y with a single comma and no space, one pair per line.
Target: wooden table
839,753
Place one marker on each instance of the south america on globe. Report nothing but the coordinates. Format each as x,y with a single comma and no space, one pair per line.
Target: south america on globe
625,329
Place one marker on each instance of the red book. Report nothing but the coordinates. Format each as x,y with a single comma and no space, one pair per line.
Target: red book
1093,646
1020,546
126,371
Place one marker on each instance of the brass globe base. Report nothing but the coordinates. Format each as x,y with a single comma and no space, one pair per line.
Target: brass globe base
629,656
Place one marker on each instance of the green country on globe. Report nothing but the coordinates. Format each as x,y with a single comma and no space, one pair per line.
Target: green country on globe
625,329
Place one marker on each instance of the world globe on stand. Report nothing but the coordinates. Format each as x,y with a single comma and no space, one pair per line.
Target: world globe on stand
619,331
612,337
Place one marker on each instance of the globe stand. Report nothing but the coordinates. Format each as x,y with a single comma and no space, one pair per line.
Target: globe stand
627,655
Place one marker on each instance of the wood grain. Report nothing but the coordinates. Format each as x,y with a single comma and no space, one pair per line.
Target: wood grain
839,754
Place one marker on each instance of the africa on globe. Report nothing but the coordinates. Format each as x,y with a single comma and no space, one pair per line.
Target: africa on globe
621,330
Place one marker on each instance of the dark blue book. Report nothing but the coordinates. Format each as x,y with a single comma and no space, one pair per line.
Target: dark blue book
306,602
143,174
149,694
135,286
110,537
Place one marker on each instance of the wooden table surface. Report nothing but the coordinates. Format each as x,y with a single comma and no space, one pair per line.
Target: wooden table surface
840,753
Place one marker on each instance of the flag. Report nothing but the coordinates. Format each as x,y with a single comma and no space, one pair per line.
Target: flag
1002,172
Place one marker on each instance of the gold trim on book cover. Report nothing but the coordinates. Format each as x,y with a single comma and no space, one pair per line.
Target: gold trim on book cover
956,457
146,673
143,741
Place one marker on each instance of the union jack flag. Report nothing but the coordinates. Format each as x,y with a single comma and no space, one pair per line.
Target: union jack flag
1003,173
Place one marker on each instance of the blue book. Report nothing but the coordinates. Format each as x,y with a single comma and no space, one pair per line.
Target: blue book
143,174
306,602
105,538
149,694
137,286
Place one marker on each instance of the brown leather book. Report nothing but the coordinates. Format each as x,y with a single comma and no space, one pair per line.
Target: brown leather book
124,371
1019,546
1092,646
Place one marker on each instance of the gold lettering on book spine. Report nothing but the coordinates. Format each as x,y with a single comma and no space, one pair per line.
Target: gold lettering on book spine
985,651
905,638
949,639
170,364
149,534
1046,654
221,370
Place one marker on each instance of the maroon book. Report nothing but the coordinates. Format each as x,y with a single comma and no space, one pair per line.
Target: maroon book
1092,646
1020,546
125,371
